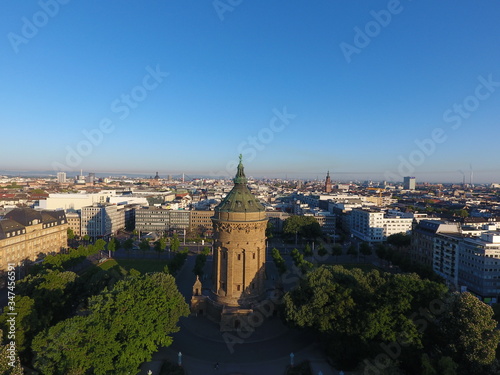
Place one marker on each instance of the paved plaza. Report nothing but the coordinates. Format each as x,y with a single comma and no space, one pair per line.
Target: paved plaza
263,350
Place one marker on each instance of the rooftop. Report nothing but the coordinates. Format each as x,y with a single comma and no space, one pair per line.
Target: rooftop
240,199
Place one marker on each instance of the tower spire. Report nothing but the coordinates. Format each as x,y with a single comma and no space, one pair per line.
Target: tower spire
328,183
240,177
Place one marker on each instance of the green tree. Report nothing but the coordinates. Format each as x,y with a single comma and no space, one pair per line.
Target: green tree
111,246
447,366
300,262
365,249
160,245
99,343
71,234
352,250
128,245
337,250
278,261
399,239
28,322
356,312
9,361
322,250
199,264
206,250
144,245
468,332
269,230
427,368
52,294
175,243
305,226
297,257
308,251
100,244
175,264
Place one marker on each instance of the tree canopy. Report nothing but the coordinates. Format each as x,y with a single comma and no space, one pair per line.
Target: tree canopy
417,324
468,331
399,239
122,329
305,226
356,311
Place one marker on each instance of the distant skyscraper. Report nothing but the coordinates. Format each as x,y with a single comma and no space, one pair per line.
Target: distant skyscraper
328,183
91,178
61,177
409,183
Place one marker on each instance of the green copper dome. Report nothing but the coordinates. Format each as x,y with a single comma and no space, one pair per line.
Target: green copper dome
240,199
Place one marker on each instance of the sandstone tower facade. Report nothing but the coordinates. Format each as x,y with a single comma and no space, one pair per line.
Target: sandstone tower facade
239,259
239,246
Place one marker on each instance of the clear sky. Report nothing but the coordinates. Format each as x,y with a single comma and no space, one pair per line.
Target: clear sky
377,90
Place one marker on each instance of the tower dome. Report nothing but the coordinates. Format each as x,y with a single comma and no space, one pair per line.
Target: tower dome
240,199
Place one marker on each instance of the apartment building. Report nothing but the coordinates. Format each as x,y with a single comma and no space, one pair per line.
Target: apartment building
423,239
74,222
479,265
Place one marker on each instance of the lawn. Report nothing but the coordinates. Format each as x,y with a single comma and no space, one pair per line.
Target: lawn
141,265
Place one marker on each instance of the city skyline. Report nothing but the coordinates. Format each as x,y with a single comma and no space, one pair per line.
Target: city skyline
368,91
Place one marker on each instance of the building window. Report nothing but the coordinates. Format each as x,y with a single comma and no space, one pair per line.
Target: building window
238,287
239,256
253,255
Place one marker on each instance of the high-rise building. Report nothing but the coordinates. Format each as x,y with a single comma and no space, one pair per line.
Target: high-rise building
409,183
61,177
239,259
328,183
91,178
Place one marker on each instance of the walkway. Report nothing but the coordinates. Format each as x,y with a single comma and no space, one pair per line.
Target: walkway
265,350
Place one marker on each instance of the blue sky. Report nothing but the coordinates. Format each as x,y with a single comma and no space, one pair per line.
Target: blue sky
298,87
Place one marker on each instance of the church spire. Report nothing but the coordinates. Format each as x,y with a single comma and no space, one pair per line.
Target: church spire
240,177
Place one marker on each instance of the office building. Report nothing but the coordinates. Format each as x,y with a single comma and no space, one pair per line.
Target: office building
27,235
102,220
409,183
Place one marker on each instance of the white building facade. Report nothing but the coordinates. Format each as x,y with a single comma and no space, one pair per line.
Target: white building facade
377,225
101,220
